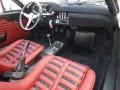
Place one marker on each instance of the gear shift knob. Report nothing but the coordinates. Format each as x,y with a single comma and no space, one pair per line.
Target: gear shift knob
48,36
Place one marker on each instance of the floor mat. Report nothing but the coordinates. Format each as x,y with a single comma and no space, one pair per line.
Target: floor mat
97,58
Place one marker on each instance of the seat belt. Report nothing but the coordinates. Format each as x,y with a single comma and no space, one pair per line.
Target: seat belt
20,69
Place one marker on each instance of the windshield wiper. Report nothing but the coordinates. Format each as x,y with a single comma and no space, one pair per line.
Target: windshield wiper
75,3
85,2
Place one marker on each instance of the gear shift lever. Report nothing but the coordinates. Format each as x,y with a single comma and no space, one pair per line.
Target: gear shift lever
48,36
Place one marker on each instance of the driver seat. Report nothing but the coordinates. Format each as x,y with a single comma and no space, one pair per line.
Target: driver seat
10,56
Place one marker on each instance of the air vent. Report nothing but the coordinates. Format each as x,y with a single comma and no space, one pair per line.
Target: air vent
62,18
62,15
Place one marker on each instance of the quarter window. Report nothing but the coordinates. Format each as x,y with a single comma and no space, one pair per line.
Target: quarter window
1,10
10,5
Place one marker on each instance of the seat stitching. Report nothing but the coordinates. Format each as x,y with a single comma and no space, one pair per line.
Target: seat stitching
58,78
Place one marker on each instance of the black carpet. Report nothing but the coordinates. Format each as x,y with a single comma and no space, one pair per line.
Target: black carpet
97,58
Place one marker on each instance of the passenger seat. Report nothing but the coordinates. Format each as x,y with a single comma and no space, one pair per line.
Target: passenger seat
55,73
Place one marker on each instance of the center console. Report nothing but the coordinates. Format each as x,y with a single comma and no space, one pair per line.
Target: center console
53,49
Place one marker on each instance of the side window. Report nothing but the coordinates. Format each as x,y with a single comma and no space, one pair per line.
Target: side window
10,5
1,10
118,15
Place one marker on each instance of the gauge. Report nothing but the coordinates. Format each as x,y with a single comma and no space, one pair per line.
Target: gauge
35,9
47,10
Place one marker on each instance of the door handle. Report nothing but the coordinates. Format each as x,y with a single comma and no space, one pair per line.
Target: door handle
3,37
17,22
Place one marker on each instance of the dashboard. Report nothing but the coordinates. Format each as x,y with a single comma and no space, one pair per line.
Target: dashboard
78,15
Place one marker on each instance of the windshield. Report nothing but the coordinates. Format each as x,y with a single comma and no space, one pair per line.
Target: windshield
67,1
27,1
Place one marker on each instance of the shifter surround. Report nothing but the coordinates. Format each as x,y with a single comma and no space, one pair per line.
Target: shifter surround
54,48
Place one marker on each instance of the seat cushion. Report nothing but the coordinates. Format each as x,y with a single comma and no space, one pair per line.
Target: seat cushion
10,55
55,73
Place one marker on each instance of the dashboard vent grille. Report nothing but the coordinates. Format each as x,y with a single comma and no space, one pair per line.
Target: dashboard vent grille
63,15
62,18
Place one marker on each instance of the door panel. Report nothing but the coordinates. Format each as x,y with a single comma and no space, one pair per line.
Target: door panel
13,15
10,31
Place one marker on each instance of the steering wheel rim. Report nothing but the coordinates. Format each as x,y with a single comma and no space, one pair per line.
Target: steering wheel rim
31,16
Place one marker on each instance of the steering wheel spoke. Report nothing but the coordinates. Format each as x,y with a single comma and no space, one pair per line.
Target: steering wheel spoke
25,14
35,16
28,23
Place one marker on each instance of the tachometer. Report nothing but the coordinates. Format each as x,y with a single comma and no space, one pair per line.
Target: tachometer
47,10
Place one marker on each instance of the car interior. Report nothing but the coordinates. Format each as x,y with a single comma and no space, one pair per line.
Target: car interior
59,46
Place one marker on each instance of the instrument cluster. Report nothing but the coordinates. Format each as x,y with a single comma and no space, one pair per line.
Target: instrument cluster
47,10
61,17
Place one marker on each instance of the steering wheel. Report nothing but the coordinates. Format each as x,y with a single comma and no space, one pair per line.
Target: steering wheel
33,12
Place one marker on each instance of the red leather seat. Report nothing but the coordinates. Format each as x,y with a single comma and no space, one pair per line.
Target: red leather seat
10,55
55,73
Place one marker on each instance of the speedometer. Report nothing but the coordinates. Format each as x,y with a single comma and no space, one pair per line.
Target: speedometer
47,10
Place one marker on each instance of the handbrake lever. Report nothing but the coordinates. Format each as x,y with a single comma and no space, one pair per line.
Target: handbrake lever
21,65
20,69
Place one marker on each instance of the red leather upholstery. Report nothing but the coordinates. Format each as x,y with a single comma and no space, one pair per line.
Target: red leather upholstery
13,31
55,73
10,56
